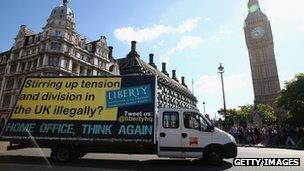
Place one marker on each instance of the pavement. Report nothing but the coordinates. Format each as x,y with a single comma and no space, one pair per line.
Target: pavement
38,159
268,146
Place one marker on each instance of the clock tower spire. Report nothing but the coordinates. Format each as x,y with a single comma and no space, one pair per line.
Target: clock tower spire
259,40
254,5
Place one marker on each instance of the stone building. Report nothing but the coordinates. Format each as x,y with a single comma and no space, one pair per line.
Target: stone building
261,54
259,40
171,92
56,51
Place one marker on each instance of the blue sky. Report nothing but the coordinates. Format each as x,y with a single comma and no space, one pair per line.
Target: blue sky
193,36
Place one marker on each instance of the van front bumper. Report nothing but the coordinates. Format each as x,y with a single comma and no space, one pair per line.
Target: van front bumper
230,150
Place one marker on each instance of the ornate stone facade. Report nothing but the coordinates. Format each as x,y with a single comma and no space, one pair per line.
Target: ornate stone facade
57,50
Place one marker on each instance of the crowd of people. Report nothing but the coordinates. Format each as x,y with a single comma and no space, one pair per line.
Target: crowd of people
269,135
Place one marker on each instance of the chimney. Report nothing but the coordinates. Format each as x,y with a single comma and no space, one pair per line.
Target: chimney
164,69
183,81
174,75
110,51
151,60
133,52
133,46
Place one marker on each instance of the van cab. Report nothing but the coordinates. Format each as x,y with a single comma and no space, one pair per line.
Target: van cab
185,133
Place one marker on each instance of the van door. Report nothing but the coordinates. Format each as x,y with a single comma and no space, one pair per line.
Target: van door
194,134
170,144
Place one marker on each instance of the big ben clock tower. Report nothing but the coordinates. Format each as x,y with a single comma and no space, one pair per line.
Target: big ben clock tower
259,42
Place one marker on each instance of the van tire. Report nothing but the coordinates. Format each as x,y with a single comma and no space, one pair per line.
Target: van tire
63,153
213,156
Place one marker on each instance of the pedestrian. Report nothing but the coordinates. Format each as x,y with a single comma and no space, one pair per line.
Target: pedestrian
289,140
241,135
234,132
257,135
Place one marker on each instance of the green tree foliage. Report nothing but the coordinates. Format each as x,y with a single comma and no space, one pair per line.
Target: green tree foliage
243,114
231,114
291,98
267,112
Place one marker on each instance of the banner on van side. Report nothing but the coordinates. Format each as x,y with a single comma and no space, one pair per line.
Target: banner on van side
89,109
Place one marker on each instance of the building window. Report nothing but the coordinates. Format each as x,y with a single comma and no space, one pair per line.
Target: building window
67,49
89,72
55,46
66,63
19,83
41,61
9,83
42,48
23,66
13,68
81,71
57,33
29,65
35,63
6,100
30,40
77,55
54,61
2,70
99,62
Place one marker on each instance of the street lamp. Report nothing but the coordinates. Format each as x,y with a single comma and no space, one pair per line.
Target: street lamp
221,71
204,108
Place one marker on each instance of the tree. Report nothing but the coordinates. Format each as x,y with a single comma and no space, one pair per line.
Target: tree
291,98
267,113
242,115
231,115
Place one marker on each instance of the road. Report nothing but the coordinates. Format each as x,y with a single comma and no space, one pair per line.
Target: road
34,159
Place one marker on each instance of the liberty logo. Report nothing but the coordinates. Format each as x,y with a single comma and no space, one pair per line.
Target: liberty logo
129,96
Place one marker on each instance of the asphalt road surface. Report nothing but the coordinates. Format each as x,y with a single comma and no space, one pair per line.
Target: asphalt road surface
36,159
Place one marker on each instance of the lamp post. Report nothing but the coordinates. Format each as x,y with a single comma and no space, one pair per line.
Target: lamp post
221,71
204,107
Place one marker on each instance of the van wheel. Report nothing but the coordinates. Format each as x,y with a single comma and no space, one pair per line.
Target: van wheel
213,156
63,154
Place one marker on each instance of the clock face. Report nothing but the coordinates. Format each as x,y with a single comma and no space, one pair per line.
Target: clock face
257,32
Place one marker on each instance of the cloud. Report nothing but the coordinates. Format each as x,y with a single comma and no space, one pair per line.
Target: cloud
157,45
207,19
221,34
301,28
211,84
186,42
187,25
151,33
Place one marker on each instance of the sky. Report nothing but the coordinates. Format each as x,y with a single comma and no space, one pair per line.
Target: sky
192,36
